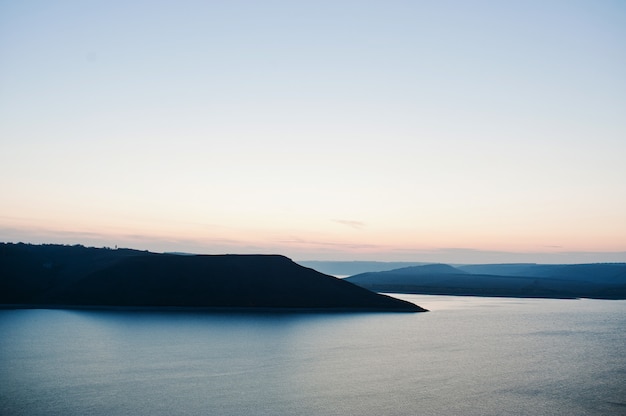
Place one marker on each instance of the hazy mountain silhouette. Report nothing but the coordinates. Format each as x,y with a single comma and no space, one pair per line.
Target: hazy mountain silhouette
55,275
427,269
600,281
601,272
349,268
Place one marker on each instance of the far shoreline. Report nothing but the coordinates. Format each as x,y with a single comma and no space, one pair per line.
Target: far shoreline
388,293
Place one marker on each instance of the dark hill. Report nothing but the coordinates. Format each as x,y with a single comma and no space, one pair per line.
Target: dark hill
53,275
600,281
504,269
427,269
595,272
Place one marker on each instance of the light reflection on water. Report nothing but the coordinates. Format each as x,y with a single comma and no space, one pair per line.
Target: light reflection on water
468,356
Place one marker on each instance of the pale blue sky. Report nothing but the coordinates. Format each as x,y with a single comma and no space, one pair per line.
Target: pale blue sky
391,130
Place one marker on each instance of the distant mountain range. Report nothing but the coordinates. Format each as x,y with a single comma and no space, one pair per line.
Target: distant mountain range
349,268
598,280
77,276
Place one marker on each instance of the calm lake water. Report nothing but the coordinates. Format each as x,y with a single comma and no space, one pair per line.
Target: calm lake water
468,356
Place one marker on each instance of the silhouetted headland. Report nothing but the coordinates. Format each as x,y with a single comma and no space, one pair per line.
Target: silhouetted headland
77,276
596,281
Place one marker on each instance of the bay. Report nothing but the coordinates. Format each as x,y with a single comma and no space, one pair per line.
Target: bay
468,356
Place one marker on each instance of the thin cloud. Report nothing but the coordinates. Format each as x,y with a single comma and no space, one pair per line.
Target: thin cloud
351,223
355,246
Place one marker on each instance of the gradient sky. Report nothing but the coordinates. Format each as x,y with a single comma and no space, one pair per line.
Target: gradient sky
459,131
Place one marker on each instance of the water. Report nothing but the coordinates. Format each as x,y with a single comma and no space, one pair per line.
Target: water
469,356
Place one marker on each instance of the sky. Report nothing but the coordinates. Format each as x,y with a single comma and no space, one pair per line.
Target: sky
453,131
